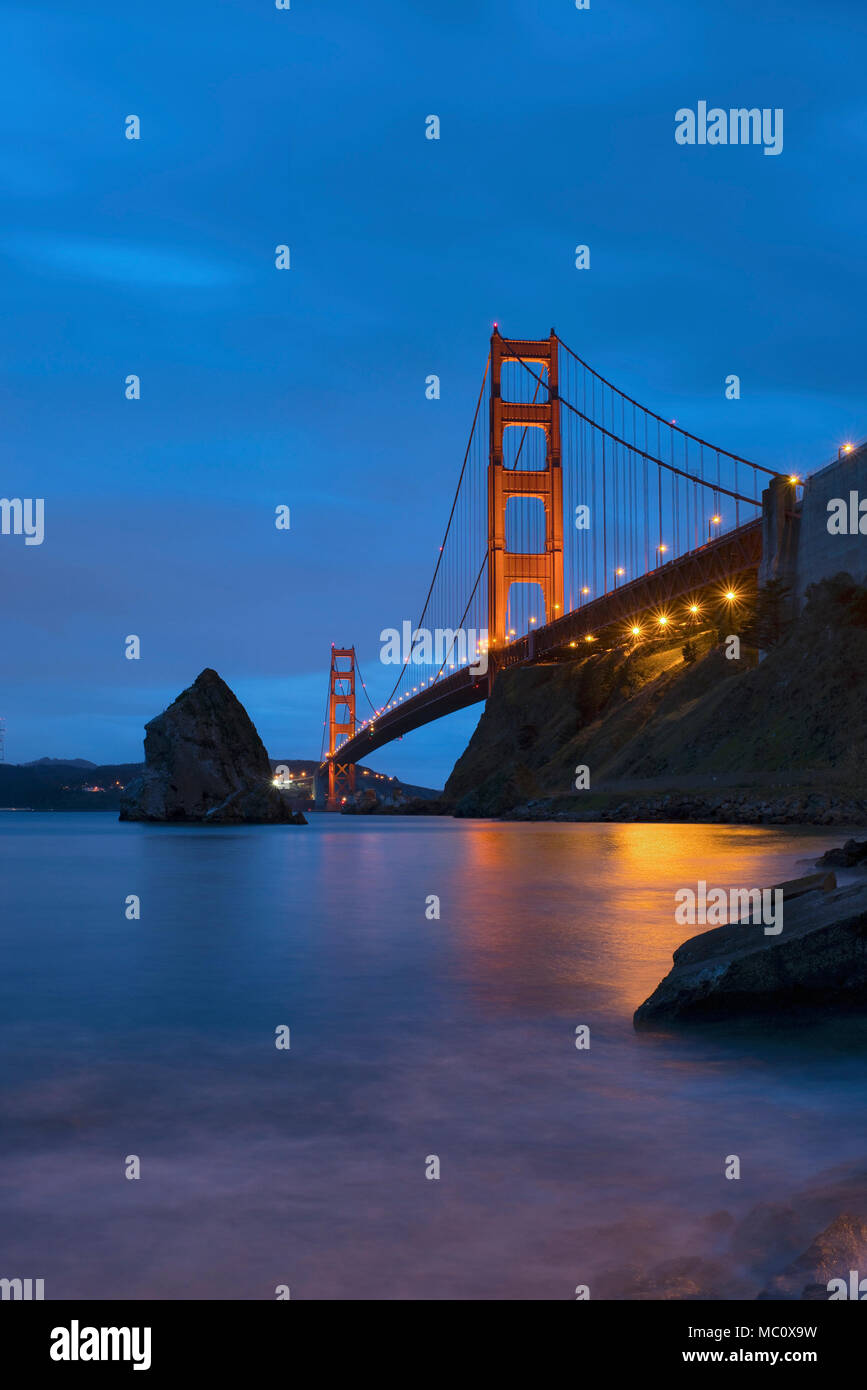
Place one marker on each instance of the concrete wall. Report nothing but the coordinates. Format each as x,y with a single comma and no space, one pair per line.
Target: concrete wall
817,553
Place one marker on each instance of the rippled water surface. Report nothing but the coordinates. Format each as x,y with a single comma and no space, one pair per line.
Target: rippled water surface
409,1038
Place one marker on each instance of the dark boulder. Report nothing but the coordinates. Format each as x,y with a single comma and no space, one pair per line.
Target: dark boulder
205,763
818,961
845,856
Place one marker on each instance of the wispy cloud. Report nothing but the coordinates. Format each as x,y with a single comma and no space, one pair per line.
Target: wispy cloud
146,266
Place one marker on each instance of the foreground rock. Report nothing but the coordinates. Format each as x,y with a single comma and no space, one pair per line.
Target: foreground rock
841,1247
205,762
818,960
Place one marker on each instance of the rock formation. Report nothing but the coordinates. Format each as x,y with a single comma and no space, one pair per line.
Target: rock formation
847,856
779,741
841,1247
818,960
205,762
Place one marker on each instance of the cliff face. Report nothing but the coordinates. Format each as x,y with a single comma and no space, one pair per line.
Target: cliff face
648,717
204,761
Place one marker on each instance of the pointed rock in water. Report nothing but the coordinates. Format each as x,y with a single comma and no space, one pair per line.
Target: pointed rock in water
205,762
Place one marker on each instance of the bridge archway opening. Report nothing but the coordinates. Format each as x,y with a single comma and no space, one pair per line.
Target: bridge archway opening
525,446
525,609
522,386
525,526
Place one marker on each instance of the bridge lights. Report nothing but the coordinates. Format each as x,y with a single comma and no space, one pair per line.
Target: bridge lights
794,479
636,632
845,449
694,608
730,595
620,570
589,638
585,590
662,620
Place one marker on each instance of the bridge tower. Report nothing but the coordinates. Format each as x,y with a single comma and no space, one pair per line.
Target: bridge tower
511,567
341,723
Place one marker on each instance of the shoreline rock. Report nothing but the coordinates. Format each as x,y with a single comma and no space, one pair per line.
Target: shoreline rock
847,856
818,961
718,808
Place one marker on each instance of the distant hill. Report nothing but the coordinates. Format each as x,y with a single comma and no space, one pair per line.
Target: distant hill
51,784
58,784
58,762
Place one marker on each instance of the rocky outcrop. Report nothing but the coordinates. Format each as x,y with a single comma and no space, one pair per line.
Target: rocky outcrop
205,762
665,738
721,808
839,1249
818,960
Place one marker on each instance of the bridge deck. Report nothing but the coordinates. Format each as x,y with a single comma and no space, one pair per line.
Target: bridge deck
720,562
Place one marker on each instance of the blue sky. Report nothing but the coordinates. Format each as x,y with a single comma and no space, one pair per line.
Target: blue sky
306,387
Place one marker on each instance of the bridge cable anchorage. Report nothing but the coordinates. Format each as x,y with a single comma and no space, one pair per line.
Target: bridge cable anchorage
661,463
391,694
737,458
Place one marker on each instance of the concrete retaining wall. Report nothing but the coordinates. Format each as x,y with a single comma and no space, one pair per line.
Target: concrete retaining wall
818,553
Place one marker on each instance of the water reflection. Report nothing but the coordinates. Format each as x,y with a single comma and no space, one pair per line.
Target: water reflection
409,1037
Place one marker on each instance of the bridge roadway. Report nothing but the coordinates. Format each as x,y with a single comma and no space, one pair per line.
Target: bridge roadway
721,561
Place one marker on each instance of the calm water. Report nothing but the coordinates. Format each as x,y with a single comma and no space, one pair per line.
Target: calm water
409,1037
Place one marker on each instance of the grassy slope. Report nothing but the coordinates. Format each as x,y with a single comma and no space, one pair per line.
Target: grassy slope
798,715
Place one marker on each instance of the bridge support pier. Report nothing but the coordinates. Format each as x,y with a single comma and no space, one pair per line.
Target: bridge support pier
780,525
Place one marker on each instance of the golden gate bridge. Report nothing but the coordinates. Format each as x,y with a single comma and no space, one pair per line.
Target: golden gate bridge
579,517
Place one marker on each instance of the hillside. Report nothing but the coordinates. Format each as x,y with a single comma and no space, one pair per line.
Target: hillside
647,721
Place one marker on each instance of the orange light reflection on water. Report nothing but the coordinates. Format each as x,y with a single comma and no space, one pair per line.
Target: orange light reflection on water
570,917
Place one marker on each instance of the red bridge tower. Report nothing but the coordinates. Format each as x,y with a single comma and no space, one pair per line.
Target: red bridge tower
341,724
506,567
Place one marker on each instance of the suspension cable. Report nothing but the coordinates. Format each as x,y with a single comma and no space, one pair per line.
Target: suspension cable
772,472
448,527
